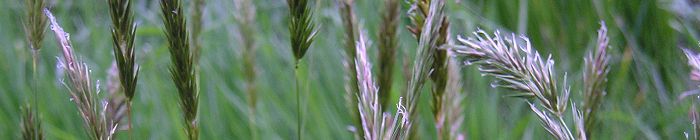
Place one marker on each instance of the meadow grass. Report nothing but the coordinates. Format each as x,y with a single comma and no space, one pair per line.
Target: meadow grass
644,76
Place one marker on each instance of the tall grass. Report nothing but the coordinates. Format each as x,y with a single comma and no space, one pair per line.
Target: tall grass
182,70
34,27
123,33
80,86
303,32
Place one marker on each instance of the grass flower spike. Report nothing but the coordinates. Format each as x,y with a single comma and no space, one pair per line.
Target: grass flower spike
427,47
82,91
595,79
375,124
123,33
517,66
183,70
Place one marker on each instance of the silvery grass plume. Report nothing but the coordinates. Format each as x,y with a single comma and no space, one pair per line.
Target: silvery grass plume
694,63
30,125
302,33
438,72
595,79
427,46
196,28
449,116
123,33
387,49
375,124
351,84
80,86
517,66
34,27
183,71
245,17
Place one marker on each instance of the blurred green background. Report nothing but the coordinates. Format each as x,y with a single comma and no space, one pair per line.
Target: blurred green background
648,69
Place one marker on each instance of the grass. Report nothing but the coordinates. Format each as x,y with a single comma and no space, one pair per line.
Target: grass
595,79
644,78
34,28
245,17
123,33
183,69
350,26
80,86
388,43
519,67
376,124
303,32
428,40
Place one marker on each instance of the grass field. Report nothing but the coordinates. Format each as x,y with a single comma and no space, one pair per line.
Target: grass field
648,70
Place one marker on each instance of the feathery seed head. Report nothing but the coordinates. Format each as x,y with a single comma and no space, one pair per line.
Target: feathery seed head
80,86
515,66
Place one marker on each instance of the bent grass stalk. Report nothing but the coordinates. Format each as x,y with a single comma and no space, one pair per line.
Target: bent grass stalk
183,70
519,67
303,32
80,86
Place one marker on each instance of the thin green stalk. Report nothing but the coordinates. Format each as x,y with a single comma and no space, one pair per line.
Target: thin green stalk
299,112
302,33
35,92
